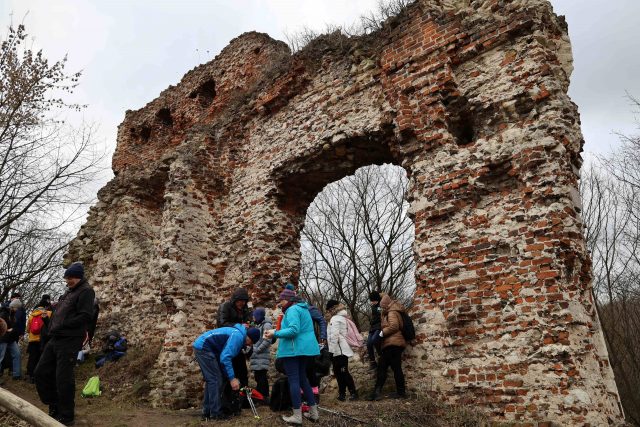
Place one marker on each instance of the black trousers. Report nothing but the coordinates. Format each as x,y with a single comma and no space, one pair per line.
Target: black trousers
391,357
312,376
262,382
341,371
55,379
35,351
240,369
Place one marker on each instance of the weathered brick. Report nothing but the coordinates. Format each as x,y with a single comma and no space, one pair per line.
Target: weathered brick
213,179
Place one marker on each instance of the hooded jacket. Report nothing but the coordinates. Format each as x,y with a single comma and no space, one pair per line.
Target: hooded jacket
297,337
38,311
225,343
319,320
337,334
392,323
229,315
261,355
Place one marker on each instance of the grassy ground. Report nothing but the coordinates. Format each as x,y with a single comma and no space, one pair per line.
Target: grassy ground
123,403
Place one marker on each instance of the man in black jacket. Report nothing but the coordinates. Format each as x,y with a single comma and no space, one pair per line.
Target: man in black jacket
231,312
55,380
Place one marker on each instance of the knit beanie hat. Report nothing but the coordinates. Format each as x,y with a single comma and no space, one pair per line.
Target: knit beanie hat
259,314
75,270
290,286
331,303
375,296
253,334
288,295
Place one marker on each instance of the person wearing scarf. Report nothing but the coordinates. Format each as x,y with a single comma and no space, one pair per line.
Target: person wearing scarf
297,347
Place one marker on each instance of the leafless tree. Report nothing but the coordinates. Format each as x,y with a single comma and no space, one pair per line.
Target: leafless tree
610,190
44,165
357,238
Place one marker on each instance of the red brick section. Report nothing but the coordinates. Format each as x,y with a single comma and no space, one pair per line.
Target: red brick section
213,179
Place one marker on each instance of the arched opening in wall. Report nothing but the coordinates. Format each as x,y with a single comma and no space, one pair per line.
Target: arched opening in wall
357,238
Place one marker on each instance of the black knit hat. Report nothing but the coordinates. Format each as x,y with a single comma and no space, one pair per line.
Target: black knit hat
75,270
375,296
331,303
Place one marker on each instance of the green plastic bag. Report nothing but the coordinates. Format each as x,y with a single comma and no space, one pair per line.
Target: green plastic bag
92,388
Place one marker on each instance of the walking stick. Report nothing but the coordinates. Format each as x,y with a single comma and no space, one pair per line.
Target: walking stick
343,415
247,391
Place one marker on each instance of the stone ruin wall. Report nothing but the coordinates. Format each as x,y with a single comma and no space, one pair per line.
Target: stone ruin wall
213,178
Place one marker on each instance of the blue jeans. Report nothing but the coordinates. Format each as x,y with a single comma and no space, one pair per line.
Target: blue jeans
14,351
214,382
296,370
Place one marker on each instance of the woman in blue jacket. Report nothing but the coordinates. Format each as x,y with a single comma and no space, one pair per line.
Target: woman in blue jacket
297,347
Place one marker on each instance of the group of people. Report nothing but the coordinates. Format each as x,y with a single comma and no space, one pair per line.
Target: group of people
56,333
301,332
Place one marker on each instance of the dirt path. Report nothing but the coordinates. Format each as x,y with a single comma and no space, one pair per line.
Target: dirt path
123,404
105,411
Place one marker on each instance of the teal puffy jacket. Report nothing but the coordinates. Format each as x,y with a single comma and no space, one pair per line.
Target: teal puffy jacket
297,337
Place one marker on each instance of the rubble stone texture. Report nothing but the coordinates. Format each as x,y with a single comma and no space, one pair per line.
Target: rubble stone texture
213,178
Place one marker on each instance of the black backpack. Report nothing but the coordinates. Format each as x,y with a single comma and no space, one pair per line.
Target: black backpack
280,398
408,329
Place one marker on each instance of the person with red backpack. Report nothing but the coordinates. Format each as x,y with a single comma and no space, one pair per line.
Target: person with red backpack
35,323
341,336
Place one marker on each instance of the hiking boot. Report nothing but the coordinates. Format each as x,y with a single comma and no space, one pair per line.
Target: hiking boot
66,421
204,418
53,411
398,395
220,417
295,419
342,397
313,414
376,394
354,396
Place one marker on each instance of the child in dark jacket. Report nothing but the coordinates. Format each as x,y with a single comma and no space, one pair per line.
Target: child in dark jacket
261,355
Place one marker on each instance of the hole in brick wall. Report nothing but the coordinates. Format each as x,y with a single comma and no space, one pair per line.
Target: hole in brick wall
357,229
256,50
204,93
145,133
164,116
460,120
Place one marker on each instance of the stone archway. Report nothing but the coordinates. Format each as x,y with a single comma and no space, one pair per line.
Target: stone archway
213,177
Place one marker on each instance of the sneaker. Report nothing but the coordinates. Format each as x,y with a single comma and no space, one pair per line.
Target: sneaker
397,395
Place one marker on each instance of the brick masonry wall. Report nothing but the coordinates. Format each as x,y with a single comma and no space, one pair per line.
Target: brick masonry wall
213,179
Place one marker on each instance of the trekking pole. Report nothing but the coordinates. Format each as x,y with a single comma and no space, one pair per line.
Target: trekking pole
252,405
343,415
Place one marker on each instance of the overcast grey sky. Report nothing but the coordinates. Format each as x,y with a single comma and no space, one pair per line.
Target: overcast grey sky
130,50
